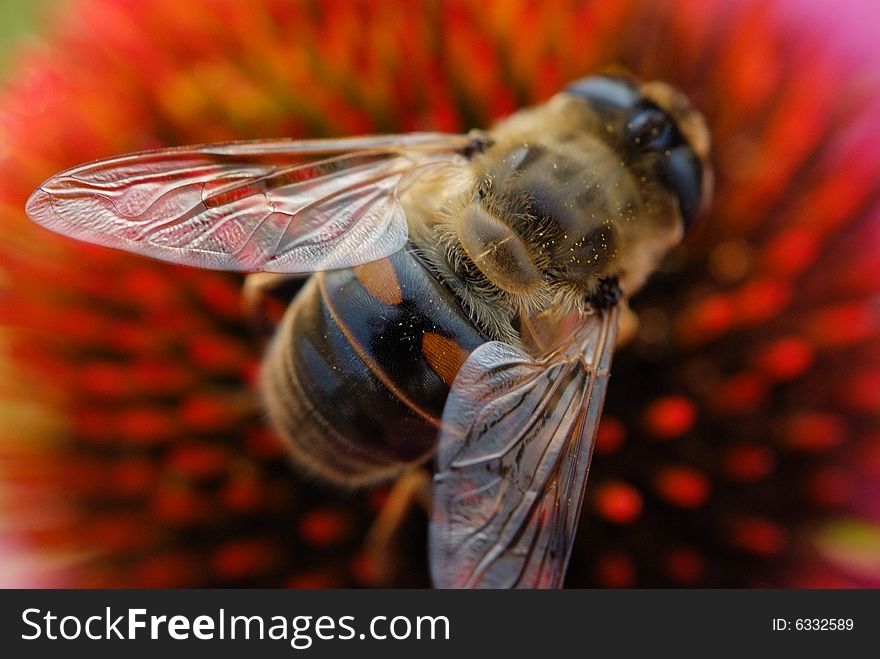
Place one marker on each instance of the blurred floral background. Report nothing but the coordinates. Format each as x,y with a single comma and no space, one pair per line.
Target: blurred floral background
741,444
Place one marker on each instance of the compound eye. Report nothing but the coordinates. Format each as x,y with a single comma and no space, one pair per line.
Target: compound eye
684,176
650,129
605,91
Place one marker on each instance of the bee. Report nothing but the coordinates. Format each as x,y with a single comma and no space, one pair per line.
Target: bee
464,297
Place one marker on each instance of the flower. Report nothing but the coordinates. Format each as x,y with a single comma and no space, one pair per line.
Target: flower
740,443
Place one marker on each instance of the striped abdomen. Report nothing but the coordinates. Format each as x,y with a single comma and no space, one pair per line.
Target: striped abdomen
359,370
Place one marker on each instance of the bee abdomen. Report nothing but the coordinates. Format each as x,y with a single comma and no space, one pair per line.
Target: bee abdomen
360,368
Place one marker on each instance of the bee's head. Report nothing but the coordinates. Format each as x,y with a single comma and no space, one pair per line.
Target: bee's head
656,130
596,184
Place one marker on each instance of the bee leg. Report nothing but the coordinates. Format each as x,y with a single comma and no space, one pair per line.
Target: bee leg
412,490
265,297
606,295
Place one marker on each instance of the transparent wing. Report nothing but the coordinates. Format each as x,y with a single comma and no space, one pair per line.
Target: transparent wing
278,206
514,450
